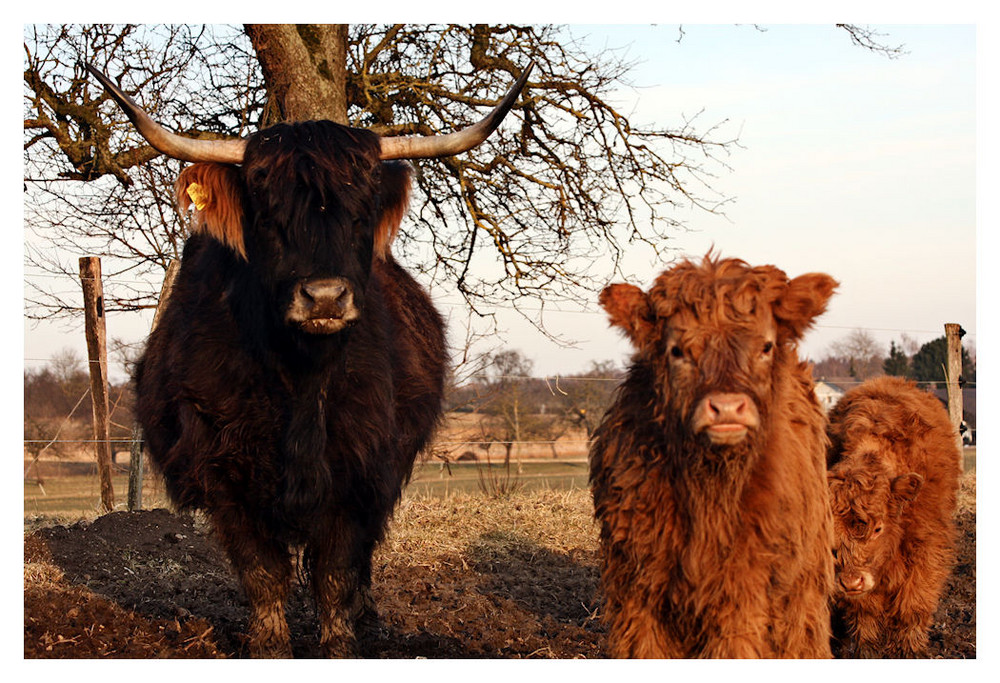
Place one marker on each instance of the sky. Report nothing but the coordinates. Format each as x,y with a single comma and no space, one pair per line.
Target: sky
848,163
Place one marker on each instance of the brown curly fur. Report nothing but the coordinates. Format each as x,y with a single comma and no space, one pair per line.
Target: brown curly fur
709,549
893,474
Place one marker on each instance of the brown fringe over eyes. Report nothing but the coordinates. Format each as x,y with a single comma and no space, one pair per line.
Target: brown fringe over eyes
218,211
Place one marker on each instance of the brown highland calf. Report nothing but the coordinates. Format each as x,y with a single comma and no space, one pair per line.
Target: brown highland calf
893,474
708,469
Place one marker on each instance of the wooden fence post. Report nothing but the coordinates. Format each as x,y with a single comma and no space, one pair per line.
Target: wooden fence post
135,467
953,332
97,355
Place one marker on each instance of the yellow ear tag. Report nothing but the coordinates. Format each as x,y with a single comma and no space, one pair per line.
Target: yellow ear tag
198,195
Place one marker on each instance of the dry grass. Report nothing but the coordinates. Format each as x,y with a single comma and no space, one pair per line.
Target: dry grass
558,520
459,576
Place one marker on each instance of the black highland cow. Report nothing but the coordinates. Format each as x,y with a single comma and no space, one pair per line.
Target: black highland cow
297,369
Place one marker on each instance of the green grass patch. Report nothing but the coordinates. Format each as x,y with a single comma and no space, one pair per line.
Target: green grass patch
80,496
440,479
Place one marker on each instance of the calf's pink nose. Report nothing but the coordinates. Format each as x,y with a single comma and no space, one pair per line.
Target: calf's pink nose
851,582
727,407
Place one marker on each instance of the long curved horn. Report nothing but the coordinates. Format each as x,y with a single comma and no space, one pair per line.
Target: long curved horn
416,147
171,144
231,151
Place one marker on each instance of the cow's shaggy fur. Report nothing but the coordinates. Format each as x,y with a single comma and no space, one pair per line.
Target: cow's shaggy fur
707,471
286,438
893,473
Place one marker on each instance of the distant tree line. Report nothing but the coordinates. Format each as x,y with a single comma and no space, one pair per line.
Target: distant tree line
859,356
57,409
514,406
510,403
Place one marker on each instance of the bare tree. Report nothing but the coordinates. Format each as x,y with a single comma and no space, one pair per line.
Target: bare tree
506,373
92,185
908,344
589,394
863,353
567,179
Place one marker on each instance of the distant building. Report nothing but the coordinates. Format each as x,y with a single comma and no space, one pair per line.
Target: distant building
828,393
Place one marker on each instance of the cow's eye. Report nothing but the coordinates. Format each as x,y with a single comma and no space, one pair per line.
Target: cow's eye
878,530
767,348
676,351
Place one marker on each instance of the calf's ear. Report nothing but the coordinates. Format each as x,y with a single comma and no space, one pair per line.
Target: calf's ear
214,191
628,308
395,199
906,486
802,301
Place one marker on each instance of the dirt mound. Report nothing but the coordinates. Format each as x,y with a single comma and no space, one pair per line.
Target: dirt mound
66,620
460,577
154,584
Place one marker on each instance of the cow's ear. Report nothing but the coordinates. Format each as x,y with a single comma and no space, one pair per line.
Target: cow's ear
801,302
628,308
395,199
214,191
906,486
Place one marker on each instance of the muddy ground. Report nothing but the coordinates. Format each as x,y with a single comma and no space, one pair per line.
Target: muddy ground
460,577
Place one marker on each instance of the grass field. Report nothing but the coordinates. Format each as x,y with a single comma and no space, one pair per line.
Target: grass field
460,574
70,494
463,576
438,479
79,495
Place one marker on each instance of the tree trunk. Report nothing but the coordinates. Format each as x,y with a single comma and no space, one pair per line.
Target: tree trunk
305,70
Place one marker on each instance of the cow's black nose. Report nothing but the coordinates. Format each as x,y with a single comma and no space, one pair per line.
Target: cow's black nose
322,305
327,297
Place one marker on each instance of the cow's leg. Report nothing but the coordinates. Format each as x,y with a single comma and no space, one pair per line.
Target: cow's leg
736,624
866,625
340,570
894,621
917,600
737,633
913,613
842,641
635,626
799,622
264,568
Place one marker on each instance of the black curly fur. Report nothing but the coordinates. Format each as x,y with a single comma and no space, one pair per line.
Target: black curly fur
287,438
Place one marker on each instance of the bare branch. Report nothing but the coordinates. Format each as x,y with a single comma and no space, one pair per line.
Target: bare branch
872,40
568,180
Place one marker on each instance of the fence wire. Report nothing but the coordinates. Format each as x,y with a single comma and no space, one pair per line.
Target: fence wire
553,383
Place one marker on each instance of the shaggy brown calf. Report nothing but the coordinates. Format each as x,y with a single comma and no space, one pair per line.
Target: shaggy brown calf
893,474
708,469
